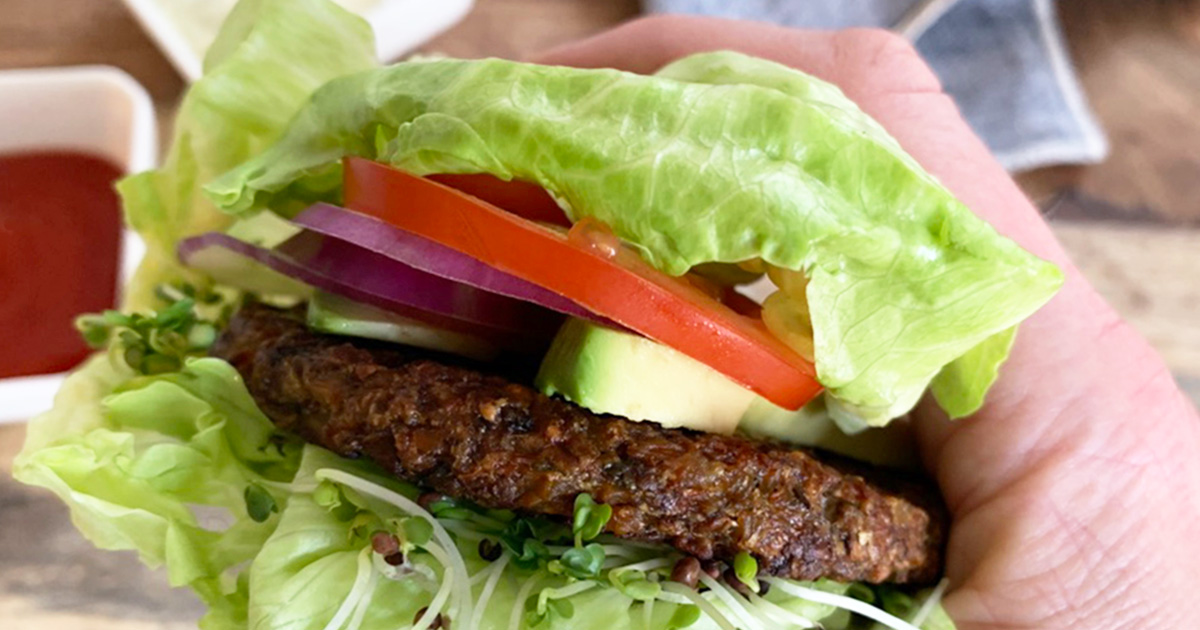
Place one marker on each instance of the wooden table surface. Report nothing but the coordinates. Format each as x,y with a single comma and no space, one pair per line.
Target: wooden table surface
1133,224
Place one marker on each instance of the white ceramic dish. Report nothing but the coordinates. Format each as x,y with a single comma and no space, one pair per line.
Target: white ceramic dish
93,109
183,29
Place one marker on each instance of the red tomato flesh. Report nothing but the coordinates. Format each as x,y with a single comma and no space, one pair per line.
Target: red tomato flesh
520,198
590,266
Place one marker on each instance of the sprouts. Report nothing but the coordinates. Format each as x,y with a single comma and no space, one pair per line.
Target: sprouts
930,603
554,564
841,601
357,592
494,572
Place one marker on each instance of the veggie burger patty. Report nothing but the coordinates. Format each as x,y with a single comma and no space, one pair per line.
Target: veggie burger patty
802,514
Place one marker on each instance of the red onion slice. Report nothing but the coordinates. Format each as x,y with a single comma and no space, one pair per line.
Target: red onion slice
364,276
431,257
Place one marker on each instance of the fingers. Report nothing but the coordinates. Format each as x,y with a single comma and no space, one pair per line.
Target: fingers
1074,419
646,44
860,61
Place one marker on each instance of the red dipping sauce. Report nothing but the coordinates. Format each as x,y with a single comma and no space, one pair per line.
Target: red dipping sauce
60,238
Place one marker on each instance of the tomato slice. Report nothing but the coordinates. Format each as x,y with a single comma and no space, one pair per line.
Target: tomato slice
520,198
589,265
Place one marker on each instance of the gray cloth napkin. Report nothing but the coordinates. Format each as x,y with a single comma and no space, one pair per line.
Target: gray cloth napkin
1003,61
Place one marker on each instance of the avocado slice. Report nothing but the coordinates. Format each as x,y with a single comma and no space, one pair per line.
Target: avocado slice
893,446
621,373
625,374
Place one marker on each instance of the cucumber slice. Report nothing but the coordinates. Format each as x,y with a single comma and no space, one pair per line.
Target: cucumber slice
337,315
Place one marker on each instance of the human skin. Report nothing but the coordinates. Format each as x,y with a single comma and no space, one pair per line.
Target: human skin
1075,491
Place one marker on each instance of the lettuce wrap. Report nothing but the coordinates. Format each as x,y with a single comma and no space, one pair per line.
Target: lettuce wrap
902,287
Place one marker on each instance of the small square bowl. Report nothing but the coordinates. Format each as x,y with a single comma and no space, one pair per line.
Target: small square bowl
98,110
400,25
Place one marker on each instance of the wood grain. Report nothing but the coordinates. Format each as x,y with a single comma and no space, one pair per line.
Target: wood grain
1139,63
1148,273
50,577
38,33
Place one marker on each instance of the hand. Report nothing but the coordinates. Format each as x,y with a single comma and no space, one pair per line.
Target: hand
1075,491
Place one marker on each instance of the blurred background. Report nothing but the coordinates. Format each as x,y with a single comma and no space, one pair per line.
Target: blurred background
1093,104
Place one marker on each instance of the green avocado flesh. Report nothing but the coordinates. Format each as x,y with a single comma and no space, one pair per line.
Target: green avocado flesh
339,316
892,446
610,371
620,373
719,158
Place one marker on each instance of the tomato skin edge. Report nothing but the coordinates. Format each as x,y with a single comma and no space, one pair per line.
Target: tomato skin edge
665,309
526,200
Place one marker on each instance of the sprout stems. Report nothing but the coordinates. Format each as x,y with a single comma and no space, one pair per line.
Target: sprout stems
931,602
361,579
751,612
748,620
841,601
495,571
703,604
456,567
434,611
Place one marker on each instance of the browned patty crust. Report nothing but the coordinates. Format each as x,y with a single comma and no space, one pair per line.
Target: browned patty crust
501,444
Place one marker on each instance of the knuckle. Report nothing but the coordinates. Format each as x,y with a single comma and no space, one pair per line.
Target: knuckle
882,43
667,37
654,27
888,57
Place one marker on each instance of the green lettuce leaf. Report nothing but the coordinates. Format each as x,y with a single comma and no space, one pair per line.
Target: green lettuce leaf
720,158
160,465
268,58
907,606
961,386
893,190
306,571
183,468
133,457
